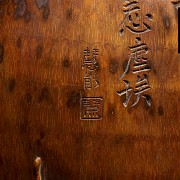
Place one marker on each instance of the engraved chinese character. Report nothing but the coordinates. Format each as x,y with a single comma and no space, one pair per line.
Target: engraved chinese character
91,66
91,108
142,85
132,19
90,63
90,81
138,56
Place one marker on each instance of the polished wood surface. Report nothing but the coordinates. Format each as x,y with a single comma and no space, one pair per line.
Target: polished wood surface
42,81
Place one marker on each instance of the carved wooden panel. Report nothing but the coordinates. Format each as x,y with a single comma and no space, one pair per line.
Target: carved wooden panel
89,89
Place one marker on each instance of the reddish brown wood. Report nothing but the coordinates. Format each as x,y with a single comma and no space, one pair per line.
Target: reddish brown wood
41,82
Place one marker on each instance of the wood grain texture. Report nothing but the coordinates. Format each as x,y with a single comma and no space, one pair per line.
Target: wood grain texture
41,82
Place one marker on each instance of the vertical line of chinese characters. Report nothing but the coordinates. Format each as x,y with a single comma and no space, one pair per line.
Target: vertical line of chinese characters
91,107
91,66
138,63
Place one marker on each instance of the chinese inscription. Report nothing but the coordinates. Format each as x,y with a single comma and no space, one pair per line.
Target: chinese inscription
132,19
138,63
91,66
91,107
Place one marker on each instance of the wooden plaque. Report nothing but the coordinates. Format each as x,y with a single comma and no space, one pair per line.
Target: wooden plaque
89,90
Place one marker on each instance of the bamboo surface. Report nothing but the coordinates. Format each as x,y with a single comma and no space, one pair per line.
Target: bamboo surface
42,84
